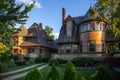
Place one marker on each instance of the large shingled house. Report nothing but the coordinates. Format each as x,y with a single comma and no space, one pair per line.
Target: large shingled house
82,36
33,42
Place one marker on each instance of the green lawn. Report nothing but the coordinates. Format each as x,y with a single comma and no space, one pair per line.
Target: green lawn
80,72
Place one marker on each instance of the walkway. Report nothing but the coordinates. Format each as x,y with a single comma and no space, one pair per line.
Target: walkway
22,74
11,72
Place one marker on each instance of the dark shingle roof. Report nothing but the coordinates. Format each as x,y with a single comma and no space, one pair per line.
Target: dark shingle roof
39,38
22,32
77,20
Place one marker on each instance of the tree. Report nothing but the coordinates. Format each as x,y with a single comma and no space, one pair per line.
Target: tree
53,74
10,15
3,48
110,9
48,31
101,73
70,72
34,74
82,78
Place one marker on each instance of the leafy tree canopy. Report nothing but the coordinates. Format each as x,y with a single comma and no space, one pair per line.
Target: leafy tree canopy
3,48
49,31
111,11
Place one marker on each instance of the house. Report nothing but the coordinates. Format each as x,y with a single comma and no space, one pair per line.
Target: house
82,36
33,42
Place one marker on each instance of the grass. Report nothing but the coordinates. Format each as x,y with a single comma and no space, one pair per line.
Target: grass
19,67
1,77
80,72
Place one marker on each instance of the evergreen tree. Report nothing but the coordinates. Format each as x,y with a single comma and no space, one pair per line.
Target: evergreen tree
34,74
53,74
70,72
101,73
82,78
10,15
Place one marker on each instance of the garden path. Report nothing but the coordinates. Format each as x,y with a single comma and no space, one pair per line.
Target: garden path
12,72
23,74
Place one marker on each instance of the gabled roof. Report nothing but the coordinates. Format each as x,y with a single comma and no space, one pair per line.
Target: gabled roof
21,32
39,37
68,18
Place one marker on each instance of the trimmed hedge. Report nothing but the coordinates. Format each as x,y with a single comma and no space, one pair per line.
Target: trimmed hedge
83,61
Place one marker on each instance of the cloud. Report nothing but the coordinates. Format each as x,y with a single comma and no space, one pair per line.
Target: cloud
28,2
56,35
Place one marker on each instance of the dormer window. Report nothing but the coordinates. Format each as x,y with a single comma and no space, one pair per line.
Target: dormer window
69,28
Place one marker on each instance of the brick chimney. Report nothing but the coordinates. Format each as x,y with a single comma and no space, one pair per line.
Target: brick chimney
63,15
40,26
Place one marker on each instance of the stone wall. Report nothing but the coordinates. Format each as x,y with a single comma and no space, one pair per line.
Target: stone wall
70,56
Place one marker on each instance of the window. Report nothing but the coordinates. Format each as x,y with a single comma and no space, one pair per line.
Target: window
41,51
102,26
30,39
62,49
68,48
92,45
30,50
103,46
20,50
69,33
85,27
92,26
75,48
81,47
98,26
15,50
69,28
69,24
15,40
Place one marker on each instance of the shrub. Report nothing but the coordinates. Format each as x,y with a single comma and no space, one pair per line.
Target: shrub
70,72
45,59
20,63
4,58
101,73
82,78
34,74
15,57
3,67
61,61
53,74
53,61
11,62
83,61
27,58
38,59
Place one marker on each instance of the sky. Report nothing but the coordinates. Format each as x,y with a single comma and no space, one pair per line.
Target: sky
49,12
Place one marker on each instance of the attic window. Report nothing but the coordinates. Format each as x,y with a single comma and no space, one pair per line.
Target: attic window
69,28
49,41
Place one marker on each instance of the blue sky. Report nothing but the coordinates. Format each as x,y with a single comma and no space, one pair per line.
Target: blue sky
49,12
